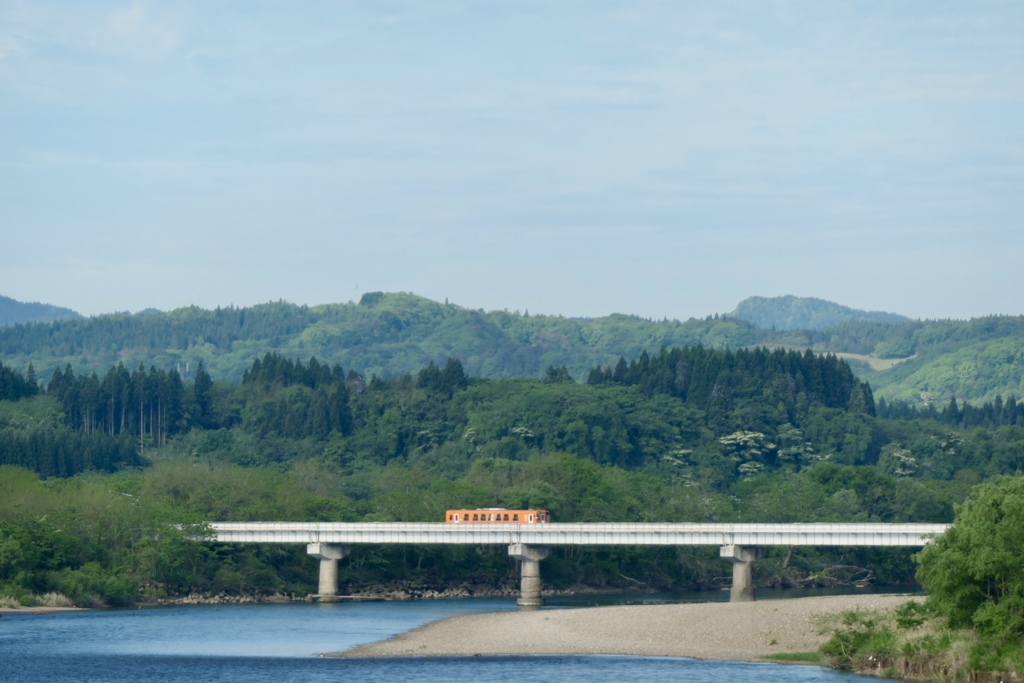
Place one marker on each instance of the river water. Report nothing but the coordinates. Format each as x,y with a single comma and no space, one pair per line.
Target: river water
279,643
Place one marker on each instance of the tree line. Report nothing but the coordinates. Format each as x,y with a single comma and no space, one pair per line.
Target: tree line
150,405
714,378
995,413
14,385
720,414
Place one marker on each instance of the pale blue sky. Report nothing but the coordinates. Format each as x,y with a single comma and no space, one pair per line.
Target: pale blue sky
659,158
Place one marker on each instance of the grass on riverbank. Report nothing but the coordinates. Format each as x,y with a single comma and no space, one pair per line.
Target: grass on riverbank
796,658
52,599
912,643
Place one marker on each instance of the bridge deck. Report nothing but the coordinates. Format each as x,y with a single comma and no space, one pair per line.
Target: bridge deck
910,535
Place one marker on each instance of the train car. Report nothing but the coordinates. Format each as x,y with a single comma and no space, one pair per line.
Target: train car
497,516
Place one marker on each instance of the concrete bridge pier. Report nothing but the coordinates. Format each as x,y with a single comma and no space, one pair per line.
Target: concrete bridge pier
742,558
329,554
529,557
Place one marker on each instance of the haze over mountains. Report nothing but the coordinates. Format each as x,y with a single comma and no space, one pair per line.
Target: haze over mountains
922,362
804,313
781,313
13,312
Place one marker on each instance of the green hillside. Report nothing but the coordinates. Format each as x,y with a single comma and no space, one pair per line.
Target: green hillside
13,312
384,334
389,335
929,362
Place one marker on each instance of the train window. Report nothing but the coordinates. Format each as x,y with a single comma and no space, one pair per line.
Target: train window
515,517
506,516
474,517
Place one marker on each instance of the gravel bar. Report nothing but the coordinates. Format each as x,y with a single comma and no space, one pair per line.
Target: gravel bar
746,631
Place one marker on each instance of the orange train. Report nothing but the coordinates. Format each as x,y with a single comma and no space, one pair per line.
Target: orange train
498,516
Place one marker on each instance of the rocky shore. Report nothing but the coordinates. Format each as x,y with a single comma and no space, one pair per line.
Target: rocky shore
392,592
386,592
748,631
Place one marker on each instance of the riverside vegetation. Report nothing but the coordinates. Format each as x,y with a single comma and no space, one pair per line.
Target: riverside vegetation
972,625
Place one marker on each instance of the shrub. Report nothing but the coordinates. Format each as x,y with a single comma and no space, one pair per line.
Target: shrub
92,586
973,573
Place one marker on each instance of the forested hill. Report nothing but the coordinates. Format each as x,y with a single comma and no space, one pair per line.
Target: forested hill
13,312
384,334
925,363
804,313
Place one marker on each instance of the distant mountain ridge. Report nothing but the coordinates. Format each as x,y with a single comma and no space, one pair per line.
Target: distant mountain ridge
13,312
390,334
385,334
790,312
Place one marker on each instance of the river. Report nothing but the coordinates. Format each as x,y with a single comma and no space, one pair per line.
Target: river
278,643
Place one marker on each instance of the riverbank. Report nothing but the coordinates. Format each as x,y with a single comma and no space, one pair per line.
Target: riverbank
398,591
380,593
38,610
750,631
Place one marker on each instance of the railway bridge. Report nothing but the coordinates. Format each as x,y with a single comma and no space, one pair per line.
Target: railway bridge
530,543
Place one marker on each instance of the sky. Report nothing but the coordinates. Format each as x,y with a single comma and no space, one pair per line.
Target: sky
663,159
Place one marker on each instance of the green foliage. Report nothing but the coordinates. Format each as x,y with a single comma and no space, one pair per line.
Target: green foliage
973,573
14,386
221,492
113,540
746,389
905,643
861,635
62,452
912,614
92,585
814,658
910,643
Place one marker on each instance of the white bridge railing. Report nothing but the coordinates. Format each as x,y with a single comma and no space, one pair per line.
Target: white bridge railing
910,535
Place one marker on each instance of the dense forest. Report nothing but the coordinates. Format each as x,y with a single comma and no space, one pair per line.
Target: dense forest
922,363
94,467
